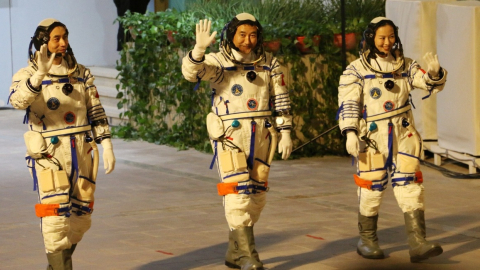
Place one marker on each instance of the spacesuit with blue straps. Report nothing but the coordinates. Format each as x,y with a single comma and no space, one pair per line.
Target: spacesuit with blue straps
374,106
65,122
242,129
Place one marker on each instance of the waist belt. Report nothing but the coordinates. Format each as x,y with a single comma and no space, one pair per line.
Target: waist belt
66,131
389,114
245,115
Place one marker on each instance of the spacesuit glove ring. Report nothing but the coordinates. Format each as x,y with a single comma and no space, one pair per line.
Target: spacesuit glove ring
203,38
433,66
352,143
285,144
44,64
108,156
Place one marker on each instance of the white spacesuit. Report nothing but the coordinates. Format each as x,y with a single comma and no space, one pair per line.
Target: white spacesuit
374,107
247,85
63,109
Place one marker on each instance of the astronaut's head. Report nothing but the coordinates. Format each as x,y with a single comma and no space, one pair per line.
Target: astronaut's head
381,38
54,34
244,34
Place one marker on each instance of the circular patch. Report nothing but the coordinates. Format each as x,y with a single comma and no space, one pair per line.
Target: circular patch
69,118
237,90
67,89
388,106
251,76
375,93
252,104
389,84
53,103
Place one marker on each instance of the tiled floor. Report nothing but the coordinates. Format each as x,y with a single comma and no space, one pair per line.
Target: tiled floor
159,209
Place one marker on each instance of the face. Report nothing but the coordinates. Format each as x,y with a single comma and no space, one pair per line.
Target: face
58,42
245,38
385,38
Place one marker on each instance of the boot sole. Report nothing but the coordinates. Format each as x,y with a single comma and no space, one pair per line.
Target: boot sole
431,253
374,257
234,266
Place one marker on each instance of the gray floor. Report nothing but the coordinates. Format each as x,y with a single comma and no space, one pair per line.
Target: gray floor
159,210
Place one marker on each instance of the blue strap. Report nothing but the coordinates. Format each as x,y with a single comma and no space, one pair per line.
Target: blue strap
429,94
338,112
66,209
8,99
365,112
83,208
384,76
214,154
411,100
245,68
389,161
74,162
226,105
198,84
378,187
26,117
43,123
62,80
406,180
253,187
252,146
213,95
34,172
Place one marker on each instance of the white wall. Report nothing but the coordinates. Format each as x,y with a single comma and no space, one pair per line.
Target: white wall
5,52
93,32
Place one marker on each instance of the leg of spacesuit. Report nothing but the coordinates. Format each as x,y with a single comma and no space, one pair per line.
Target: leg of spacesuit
410,200
242,211
367,245
59,260
409,192
420,248
241,250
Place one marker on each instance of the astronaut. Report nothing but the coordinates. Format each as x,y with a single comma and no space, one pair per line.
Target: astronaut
247,85
65,122
374,108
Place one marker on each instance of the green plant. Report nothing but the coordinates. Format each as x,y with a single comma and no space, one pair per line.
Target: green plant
163,108
151,83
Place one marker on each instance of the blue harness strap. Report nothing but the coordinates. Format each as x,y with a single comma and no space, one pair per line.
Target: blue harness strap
252,146
83,208
74,170
214,154
384,76
26,117
338,112
62,80
199,80
407,180
389,161
251,188
11,93
34,172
